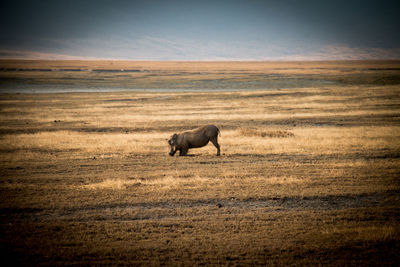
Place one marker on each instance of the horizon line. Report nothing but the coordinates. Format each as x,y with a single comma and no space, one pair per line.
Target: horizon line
199,60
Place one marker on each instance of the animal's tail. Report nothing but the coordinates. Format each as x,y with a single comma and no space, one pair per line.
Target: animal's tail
219,132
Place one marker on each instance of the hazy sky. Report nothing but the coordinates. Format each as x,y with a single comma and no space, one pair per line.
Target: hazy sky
201,30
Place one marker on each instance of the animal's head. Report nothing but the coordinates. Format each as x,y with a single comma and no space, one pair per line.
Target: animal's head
172,140
172,144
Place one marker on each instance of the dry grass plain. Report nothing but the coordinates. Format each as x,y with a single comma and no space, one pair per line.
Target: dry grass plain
307,176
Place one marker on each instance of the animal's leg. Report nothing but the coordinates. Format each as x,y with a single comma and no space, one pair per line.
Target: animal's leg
183,151
214,140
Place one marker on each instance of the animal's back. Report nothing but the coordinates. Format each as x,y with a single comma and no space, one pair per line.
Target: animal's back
205,128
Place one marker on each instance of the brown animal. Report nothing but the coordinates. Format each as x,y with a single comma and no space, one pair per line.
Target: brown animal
191,139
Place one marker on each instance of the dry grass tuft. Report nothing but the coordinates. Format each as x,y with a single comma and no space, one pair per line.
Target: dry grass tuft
261,133
113,184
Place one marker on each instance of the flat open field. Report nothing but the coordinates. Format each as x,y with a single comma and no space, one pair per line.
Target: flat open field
93,76
307,175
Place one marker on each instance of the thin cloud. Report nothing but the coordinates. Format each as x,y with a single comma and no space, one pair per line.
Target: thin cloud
34,55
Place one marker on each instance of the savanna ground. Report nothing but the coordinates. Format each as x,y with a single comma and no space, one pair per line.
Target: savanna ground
308,175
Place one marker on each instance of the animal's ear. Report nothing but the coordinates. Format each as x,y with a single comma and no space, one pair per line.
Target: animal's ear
175,136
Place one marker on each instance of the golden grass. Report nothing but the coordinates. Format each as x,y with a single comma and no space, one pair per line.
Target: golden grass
255,132
329,140
307,176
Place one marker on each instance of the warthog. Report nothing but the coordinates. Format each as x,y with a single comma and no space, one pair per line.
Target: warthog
191,139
